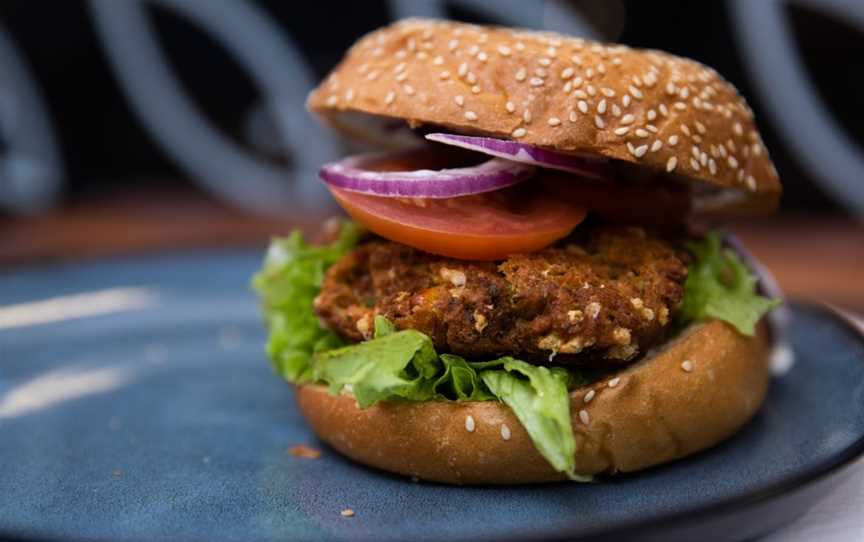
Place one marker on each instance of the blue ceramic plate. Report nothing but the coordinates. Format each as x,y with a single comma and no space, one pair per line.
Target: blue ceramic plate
156,417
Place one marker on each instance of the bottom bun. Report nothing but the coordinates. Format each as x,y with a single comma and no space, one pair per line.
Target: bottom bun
692,394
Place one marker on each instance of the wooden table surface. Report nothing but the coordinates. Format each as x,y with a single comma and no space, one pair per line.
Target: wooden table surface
813,257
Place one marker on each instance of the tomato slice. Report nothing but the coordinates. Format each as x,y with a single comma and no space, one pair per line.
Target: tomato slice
490,226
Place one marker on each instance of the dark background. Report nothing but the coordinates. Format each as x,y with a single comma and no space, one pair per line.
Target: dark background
105,148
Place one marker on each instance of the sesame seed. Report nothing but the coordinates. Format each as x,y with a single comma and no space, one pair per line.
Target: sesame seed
409,90
554,121
566,73
526,116
469,423
588,396
712,166
616,111
519,132
694,164
510,107
332,100
703,159
589,73
670,88
347,513
580,94
444,75
540,72
536,82
663,110
616,61
470,115
544,61
608,92
438,60
626,100
584,417
738,129
651,128
582,105
471,78
621,130
520,46
576,59
687,365
521,74
552,51
641,133
572,116
670,165
473,50
673,140
639,151
614,382
482,57
373,75
391,96
627,119
684,92
700,128
598,122
656,146
568,86
732,161
504,50
591,90
475,89
751,182
601,69
401,77
505,431
453,44
460,100
601,107
635,92
577,82
680,106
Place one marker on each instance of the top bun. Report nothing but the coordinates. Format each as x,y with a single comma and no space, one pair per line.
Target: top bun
647,107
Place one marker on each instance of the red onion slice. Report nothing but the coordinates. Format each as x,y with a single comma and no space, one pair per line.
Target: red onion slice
590,166
354,175
782,355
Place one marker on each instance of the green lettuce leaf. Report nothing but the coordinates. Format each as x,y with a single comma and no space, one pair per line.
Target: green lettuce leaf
538,396
719,286
287,284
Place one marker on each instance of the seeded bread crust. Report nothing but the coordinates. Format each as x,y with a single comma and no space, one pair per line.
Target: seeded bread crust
697,392
646,107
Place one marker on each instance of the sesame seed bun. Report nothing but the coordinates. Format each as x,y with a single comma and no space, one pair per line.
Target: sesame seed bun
663,112
695,393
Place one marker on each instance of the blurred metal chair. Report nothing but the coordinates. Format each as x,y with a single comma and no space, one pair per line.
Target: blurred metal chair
30,163
211,158
790,98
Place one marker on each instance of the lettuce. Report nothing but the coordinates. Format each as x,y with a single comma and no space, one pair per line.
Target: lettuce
287,284
719,286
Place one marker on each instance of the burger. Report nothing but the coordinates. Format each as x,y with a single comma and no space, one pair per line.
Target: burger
528,288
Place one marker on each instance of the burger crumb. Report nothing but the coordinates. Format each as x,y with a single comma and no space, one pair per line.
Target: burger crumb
347,513
306,452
